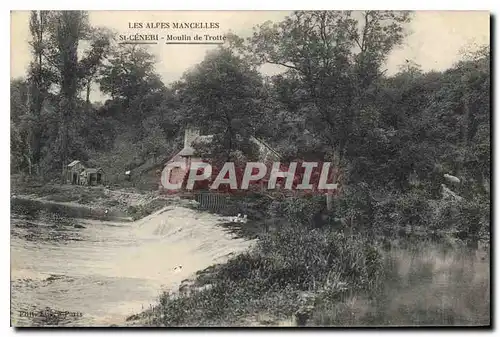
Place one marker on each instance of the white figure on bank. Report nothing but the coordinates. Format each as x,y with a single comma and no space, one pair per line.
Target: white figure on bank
452,179
239,218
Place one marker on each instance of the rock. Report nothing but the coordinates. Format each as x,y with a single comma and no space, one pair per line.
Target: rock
184,288
132,318
452,179
205,287
303,314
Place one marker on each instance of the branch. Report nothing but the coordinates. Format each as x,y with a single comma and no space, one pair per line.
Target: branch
282,64
357,42
326,43
365,31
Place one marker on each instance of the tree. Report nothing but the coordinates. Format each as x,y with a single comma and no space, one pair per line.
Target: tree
69,28
222,96
129,77
19,128
336,58
41,78
56,36
93,57
129,73
411,68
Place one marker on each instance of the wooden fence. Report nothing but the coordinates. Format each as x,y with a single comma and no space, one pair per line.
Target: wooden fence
212,201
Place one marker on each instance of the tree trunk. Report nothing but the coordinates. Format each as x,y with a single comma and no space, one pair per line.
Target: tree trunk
89,82
28,159
329,202
69,31
36,89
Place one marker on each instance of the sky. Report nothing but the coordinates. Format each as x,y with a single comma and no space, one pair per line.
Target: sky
435,38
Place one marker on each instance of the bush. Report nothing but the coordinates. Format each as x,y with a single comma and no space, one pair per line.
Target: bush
298,210
469,219
414,210
412,213
357,206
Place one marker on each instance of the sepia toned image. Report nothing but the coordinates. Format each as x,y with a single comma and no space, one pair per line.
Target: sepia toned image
250,169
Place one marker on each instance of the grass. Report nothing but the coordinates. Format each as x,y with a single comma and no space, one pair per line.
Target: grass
78,194
92,201
34,209
61,193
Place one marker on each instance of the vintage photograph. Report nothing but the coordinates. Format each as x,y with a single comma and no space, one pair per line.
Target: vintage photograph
250,169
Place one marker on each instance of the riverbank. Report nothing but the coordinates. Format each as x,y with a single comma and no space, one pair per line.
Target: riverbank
293,275
324,278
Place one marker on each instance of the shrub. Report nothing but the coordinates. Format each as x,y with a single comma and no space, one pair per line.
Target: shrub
412,209
468,218
298,210
357,206
412,213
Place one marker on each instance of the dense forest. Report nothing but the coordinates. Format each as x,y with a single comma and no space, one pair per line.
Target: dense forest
394,137
333,102
390,135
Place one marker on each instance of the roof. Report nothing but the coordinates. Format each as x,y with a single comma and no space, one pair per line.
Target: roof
73,163
92,170
209,138
260,141
186,152
189,151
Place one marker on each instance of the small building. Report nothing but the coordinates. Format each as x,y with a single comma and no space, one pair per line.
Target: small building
92,176
187,155
73,171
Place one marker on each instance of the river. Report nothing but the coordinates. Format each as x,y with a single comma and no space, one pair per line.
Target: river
99,273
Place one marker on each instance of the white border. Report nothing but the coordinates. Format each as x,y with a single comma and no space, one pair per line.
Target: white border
180,5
